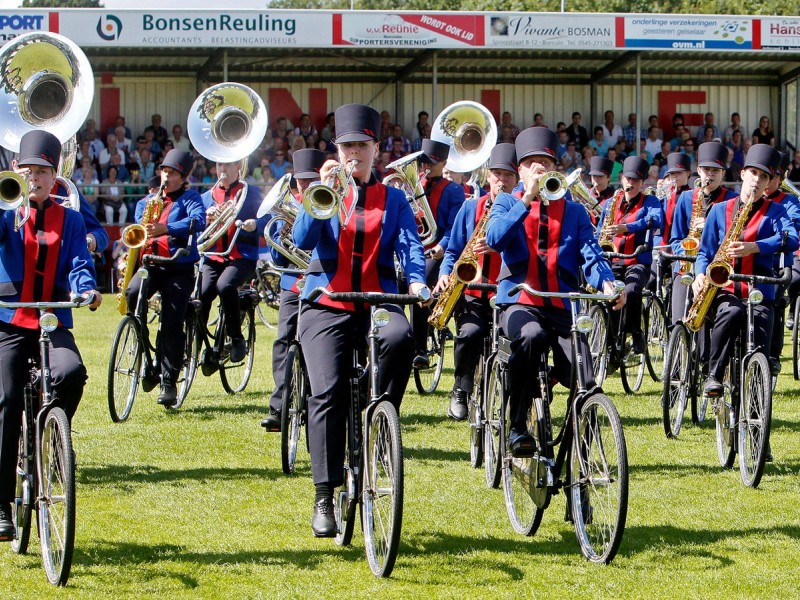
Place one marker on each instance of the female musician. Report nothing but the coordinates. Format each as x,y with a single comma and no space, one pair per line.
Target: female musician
44,261
353,254
543,244
600,171
473,313
223,275
181,219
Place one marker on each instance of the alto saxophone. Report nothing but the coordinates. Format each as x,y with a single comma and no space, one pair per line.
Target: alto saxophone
465,270
719,270
691,243
135,237
606,238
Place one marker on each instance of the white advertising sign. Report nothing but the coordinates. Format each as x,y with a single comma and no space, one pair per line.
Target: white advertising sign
531,30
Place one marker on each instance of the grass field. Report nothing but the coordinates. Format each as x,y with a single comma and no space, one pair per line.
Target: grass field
193,504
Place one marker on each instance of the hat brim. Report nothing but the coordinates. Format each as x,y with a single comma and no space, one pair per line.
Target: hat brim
538,153
427,160
676,170
307,175
710,165
354,137
759,166
503,167
35,160
632,175
599,173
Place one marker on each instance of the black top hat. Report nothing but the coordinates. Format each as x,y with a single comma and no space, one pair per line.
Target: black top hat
39,148
180,160
536,141
154,182
307,163
635,167
503,156
786,159
677,162
433,152
357,123
600,165
712,154
764,157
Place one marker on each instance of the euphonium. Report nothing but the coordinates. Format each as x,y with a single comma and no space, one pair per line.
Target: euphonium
606,238
323,200
580,193
789,188
224,217
406,177
719,270
135,237
282,204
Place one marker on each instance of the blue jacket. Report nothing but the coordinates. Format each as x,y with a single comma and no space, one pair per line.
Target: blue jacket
650,215
74,270
246,242
186,206
450,201
769,237
577,247
90,220
398,235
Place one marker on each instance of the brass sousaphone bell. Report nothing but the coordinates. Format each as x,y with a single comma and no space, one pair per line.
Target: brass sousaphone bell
470,131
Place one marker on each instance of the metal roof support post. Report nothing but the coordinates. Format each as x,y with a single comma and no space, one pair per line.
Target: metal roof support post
639,120
592,106
399,105
435,99
225,66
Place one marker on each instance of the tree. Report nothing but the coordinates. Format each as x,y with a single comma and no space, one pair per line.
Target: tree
62,4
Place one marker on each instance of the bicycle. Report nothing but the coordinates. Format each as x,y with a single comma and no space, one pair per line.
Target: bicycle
744,411
267,283
135,358
46,461
591,447
655,314
373,470
427,378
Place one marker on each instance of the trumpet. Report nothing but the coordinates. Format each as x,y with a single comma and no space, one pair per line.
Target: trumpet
324,200
662,192
407,179
14,194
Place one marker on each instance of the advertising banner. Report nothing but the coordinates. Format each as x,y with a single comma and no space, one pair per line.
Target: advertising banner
688,32
408,30
780,34
17,22
545,31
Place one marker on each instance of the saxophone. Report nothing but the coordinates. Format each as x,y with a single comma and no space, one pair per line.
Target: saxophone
719,269
691,243
465,270
135,237
606,238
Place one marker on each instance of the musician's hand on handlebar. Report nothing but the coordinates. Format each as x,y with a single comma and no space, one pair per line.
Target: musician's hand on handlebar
740,249
698,283
156,229
608,288
436,253
91,242
443,282
416,287
97,301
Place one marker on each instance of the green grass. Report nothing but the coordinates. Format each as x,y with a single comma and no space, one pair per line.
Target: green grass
193,503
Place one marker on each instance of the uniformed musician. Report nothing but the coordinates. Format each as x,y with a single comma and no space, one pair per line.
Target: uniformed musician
600,170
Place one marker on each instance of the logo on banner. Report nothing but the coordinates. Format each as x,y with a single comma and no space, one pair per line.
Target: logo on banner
109,28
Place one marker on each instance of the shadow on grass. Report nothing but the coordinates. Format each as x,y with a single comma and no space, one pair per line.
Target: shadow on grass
428,453
413,420
224,405
126,476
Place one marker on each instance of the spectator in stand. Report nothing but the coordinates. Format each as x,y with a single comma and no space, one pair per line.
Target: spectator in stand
85,150
122,171
95,143
386,126
86,180
599,143
505,135
571,159
382,162
654,141
262,174
168,145
145,163
397,134
538,120
677,119
630,133
706,134
736,125
708,121
733,170
736,141
282,130
119,122
563,140
397,150
652,177
113,197
611,131
677,141
643,152
90,125
560,126
160,134
123,143
763,133
577,133
416,145
586,159
152,144
688,150
307,131
419,128
279,165
793,174
329,131
741,156
507,121
108,152
299,143
661,157
617,169
179,141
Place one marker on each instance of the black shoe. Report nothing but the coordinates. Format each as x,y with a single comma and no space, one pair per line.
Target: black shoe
421,362
638,344
6,525
790,321
522,444
323,523
458,405
712,388
168,397
774,367
273,421
238,349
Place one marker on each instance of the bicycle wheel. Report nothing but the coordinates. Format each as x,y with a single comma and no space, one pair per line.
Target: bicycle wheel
493,400
631,368
124,369
796,341
22,506
191,356
154,308
723,411
235,376
57,501
656,334
755,416
427,379
344,502
382,509
598,343
525,479
474,404
598,480
676,381
293,417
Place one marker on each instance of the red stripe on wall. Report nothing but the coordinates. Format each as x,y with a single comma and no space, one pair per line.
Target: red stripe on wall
620,30
55,24
756,34
491,100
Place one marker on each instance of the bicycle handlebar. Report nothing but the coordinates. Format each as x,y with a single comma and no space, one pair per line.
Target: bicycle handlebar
784,279
681,257
75,301
482,287
639,249
365,297
520,287
179,253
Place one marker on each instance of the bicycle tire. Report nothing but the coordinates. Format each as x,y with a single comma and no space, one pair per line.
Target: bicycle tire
723,412
191,356
631,367
676,381
474,405
492,426
292,407
382,495
427,379
598,480
57,501
598,343
656,335
25,490
235,376
124,369
755,415
796,341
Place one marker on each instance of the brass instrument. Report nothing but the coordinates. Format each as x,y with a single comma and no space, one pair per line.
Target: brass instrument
691,243
788,187
226,124
14,191
606,238
406,177
465,270
580,193
282,204
470,131
324,200
719,270
135,237
662,192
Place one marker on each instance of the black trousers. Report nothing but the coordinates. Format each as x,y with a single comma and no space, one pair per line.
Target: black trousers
532,330
729,316
224,279
681,297
794,285
328,337
420,314
635,278
287,331
175,285
473,317
68,375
